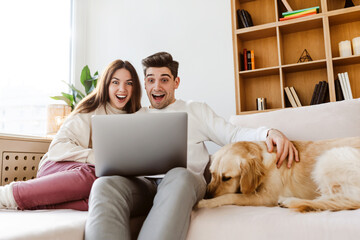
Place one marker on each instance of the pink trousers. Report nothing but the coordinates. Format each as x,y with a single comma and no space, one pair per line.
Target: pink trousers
59,185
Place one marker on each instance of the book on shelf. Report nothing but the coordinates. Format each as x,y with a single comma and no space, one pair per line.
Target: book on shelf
252,58
349,3
321,93
296,97
242,62
317,97
296,16
315,94
287,5
240,19
343,87
338,91
245,59
348,87
290,97
244,18
299,13
248,54
248,18
317,8
324,90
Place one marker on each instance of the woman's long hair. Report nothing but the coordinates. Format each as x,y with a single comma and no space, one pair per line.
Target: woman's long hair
100,95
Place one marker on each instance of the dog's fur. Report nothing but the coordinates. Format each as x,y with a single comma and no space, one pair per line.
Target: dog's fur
326,178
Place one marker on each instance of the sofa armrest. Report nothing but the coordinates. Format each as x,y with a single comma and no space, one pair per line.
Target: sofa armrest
20,157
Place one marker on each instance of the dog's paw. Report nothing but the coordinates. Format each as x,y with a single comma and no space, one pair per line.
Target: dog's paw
297,204
285,202
206,203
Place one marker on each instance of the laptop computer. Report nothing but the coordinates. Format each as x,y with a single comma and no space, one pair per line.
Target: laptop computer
139,144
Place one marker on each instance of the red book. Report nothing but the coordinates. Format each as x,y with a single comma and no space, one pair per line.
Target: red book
245,59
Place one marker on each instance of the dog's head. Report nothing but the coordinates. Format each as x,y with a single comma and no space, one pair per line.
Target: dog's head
236,168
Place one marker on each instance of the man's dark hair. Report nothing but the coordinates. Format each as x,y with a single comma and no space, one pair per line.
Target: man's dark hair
161,59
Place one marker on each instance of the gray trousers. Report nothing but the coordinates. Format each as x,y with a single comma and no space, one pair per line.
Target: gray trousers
113,200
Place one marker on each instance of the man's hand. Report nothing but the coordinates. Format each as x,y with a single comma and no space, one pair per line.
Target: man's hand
285,148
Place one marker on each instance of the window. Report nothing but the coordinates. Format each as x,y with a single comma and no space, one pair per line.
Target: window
35,47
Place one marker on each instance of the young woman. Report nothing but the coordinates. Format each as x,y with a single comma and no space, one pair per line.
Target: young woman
66,173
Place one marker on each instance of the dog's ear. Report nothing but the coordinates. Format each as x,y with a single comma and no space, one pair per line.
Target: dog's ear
207,172
252,170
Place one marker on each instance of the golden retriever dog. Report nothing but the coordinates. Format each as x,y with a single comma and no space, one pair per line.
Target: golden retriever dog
326,178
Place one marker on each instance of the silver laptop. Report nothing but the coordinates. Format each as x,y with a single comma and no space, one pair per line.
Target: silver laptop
139,144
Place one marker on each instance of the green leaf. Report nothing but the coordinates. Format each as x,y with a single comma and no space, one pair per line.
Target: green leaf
65,99
69,97
77,91
92,84
85,76
91,89
77,97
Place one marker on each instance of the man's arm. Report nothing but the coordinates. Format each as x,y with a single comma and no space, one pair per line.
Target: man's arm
285,148
222,132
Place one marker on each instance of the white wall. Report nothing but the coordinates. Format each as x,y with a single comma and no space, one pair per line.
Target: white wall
196,32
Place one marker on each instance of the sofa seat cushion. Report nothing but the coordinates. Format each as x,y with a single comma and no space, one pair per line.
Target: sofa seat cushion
316,122
235,222
42,224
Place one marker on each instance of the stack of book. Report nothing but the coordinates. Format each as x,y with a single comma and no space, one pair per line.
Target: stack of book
342,87
299,13
320,93
292,97
247,60
244,18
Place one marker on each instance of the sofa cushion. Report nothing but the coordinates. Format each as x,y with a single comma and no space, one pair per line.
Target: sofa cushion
234,222
61,224
316,122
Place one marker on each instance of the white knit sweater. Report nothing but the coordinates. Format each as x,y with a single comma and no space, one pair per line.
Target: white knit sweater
205,125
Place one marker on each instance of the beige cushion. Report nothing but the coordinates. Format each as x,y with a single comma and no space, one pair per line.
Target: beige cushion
316,122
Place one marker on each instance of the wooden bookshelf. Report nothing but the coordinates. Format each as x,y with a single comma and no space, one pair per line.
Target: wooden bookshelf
279,44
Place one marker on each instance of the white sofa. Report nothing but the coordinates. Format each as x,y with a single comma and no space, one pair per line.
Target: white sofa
330,120
324,121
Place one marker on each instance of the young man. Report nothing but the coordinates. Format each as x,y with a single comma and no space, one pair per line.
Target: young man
114,199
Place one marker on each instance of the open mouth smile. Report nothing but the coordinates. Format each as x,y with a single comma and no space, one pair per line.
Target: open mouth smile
121,97
158,97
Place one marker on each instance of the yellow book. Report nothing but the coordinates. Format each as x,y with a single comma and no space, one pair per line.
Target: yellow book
252,56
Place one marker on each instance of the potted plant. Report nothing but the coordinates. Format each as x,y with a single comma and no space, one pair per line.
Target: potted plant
89,82
57,113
